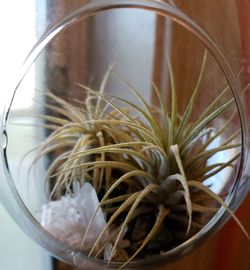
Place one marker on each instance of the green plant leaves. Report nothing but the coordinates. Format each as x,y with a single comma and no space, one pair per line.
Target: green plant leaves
129,152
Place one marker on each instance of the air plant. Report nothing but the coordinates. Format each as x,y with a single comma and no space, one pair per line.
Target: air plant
148,166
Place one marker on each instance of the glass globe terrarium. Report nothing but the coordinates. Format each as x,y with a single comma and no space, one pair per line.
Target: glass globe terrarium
133,148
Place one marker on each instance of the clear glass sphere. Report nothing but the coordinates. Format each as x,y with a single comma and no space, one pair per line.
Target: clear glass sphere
151,67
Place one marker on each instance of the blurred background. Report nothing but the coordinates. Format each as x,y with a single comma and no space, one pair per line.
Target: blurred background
22,23
18,28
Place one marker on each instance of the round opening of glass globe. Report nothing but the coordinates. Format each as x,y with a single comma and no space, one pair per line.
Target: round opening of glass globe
125,136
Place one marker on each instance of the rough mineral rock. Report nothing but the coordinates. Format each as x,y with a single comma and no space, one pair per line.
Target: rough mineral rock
67,219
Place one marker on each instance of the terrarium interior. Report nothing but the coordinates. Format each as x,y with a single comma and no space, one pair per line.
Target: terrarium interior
124,152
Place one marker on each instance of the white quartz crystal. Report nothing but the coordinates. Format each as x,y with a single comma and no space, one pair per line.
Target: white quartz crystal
67,219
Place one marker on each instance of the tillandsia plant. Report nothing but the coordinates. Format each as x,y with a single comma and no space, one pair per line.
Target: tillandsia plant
148,166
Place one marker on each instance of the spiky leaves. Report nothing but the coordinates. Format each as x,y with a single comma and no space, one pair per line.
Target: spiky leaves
138,164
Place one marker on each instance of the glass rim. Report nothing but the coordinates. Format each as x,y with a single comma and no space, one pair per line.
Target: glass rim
164,9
